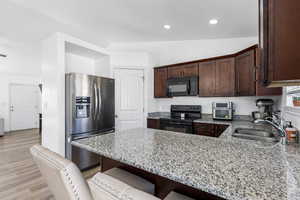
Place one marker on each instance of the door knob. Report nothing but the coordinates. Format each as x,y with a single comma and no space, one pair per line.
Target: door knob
116,116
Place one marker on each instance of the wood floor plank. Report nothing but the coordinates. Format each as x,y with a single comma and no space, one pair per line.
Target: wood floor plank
20,178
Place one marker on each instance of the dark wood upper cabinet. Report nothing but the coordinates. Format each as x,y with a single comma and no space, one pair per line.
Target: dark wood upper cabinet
280,41
225,77
183,70
245,73
191,69
207,74
160,82
175,72
261,89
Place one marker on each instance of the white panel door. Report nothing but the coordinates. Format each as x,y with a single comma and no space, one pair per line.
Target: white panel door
129,98
23,107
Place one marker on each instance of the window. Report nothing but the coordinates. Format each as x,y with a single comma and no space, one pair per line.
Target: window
293,96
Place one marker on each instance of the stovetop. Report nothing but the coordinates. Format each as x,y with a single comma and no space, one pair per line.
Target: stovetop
189,113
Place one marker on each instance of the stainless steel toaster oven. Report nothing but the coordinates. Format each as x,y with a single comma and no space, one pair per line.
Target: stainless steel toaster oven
222,111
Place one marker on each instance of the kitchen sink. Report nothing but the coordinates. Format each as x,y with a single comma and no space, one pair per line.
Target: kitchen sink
255,134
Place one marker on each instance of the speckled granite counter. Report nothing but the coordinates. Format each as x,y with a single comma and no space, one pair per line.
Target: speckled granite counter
228,168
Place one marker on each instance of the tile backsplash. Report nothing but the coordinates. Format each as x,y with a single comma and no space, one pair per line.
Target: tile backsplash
242,105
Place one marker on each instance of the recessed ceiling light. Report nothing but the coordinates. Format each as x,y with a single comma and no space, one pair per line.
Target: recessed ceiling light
213,21
167,26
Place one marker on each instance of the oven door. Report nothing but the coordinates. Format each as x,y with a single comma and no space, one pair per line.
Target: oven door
178,87
176,127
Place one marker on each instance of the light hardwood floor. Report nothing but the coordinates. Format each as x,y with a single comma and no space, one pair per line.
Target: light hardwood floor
20,178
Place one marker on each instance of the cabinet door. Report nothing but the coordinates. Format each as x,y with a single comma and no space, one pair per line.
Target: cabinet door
207,79
183,70
175,71
279,39
219,129
261,89
225,77
204,129
160,82
245,73
153,123
190,69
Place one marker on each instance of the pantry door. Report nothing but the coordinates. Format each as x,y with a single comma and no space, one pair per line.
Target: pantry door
129,98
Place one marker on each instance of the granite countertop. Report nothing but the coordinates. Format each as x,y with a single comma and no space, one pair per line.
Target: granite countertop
226,167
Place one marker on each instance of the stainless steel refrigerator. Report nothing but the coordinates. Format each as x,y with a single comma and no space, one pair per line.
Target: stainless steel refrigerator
90,110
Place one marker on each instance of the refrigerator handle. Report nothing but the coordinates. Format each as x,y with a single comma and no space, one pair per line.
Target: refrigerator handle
96,101
99,101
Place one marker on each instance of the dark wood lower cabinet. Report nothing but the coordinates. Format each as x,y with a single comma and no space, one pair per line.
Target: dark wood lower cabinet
211,130
153,123
219,129
163,186
204,129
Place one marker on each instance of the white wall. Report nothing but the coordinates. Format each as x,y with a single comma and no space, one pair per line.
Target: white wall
163,53
53,99
55,64
99,66
79,64
22,66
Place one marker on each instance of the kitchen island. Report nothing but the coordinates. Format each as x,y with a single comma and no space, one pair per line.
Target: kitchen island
230,169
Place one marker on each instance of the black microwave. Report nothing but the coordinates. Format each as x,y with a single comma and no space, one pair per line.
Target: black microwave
183,86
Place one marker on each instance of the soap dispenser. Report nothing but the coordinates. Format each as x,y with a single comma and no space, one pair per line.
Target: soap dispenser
291,133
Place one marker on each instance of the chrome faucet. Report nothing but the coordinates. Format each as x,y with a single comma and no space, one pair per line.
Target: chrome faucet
278,126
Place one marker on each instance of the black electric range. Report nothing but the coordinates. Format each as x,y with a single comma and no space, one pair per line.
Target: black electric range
181,119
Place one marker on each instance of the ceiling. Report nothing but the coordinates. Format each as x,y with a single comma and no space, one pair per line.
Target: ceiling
109,21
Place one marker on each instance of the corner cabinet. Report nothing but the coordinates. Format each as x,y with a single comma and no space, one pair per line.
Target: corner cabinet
249,75
280,41
260,87
160,82
245,73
